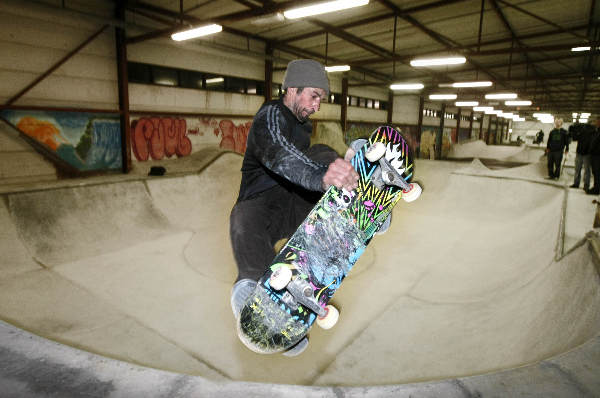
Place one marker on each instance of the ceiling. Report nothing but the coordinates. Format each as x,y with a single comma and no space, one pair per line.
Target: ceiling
523,46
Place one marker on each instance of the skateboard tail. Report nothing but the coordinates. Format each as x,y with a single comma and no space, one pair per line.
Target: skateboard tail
265,328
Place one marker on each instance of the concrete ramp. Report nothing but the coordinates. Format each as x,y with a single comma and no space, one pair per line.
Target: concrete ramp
470,279
58,225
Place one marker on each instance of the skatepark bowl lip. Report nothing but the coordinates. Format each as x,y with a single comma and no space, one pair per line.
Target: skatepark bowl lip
31,365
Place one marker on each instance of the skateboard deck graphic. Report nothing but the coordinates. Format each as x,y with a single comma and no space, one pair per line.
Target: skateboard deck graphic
324,248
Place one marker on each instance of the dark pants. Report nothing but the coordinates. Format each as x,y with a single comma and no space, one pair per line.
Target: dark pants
256,224
595,161
554,160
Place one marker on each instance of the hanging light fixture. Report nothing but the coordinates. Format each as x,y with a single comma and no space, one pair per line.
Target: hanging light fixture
196,32
323,8
407,86
456,60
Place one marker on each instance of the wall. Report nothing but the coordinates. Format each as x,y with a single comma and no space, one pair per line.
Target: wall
35,37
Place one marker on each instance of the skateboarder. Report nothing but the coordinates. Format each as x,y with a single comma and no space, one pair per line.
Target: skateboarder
558,140
282,176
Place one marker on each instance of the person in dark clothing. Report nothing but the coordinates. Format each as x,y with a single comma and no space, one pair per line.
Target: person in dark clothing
539,137
282,176
558,140
582,133
595,158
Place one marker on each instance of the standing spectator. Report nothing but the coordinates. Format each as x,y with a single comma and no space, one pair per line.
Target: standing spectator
595,158
558,140
582,133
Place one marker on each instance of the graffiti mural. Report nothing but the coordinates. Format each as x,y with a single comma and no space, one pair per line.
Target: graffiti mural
428,141
163,137
364,130
86,141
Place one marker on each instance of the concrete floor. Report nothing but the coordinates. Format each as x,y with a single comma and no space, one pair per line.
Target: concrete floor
489,270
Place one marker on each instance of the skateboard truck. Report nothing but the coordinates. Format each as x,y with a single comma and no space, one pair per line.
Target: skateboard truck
391,176
300,292
386,174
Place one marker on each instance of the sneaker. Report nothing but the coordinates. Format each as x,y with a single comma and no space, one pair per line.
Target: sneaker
239,293
593,191
298,348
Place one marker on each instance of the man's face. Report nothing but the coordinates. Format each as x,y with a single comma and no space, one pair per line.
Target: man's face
558,123
305,103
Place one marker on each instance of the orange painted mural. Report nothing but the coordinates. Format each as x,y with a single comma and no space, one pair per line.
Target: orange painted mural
86,141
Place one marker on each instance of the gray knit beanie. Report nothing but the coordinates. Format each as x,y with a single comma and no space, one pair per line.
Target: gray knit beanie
305,73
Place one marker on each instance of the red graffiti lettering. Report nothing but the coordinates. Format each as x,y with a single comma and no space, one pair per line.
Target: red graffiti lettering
233,138
159,137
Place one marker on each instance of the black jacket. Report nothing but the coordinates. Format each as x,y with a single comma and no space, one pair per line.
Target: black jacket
582,133
557,140
595,143
275,152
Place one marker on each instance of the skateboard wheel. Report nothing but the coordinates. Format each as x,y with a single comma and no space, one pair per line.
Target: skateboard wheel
413,193
375,152
280,278
330,318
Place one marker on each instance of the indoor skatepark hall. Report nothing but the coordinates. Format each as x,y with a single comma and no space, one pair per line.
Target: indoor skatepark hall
489,276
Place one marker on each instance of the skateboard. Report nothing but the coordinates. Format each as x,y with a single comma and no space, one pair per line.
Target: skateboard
295,290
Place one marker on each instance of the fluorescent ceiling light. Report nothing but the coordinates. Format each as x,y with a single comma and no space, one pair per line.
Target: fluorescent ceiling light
583,120
442,96
583,48
337,68
574,114
483,108
501,96
196,32
323,8
472,84
438,61
585,114
407,86
466,103
215,80
517,103
574,120
539,115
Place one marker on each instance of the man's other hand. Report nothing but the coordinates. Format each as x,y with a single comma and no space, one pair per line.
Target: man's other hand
341,174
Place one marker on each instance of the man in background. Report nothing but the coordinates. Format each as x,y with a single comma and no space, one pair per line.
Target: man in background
558,141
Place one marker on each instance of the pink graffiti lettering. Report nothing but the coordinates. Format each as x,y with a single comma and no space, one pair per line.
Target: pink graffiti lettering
159,137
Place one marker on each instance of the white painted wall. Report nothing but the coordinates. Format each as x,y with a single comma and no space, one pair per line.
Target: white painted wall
406,109
34,37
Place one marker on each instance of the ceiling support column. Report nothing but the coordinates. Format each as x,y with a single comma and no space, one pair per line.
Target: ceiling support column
123,86
344,109
390,109
440,134
420,124
269,73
